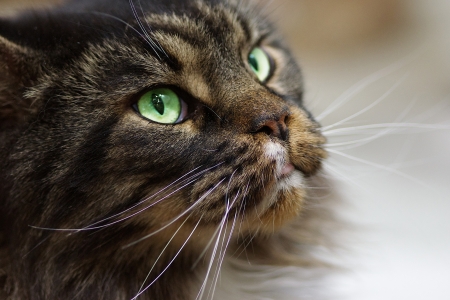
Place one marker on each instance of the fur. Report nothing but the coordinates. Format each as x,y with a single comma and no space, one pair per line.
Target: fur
94,196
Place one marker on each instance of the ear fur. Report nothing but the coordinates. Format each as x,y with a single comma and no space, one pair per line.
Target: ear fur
18,69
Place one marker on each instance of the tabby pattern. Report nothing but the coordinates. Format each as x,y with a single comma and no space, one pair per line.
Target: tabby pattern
97,201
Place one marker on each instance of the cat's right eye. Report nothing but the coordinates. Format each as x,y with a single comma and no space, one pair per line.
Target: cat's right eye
162,105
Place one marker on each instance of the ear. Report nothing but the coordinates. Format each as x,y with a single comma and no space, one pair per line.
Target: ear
18,70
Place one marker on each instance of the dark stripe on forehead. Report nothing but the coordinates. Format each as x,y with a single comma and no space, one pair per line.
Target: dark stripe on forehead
245,27
170,31
161,54
194,26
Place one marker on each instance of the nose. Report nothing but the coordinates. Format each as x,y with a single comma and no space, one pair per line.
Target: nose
274,126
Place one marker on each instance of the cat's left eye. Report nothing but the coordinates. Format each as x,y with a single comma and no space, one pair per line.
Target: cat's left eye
162,105
260,63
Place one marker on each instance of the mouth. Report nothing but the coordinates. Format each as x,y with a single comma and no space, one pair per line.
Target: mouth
286,170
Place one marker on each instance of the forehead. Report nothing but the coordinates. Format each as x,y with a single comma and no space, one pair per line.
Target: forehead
219,29
68,29
222,24
197,37
189,46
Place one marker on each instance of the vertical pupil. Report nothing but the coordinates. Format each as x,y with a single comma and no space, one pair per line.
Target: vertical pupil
253,62
158,103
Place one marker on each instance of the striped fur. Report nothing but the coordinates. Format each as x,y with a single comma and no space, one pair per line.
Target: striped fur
93,196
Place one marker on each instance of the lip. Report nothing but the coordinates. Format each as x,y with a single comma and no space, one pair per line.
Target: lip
286,170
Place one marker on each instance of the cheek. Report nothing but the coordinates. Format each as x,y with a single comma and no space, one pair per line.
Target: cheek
154,150
217,178
305,143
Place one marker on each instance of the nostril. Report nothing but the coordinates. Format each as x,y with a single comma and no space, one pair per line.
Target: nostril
284,119
275,128
270,128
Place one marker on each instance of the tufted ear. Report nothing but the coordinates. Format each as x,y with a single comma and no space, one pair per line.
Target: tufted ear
18,69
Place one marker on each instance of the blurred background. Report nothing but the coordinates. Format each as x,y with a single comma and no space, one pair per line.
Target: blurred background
377,77
382,67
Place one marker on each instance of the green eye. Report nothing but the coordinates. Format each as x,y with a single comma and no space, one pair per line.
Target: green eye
259,63
161,105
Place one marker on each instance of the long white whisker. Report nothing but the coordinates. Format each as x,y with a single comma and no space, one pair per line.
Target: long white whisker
91,227
148,38
173,259
351,130
222,256
206,248
223,238
150,28
178,217
381,167
162,252
213,255
145,208
341,176
117,19
202,288
242,205
182,179
215,232
364,141
376,102
362,84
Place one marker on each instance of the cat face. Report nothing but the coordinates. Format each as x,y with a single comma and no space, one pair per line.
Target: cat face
89,154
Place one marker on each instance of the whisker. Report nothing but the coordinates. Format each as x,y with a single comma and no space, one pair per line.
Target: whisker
91,227
342,176
152,44
376,102
145,208
215,232
381,167
203,286
363,83
350,130
240,228
222,256
182,179
224,234
176,218
150,28
213,111
34,248
364,141
242,205
213,255
168,265
188,180
117,19
162,252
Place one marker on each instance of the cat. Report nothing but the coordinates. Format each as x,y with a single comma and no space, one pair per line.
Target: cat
148,144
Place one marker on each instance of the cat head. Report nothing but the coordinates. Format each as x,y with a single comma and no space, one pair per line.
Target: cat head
130,118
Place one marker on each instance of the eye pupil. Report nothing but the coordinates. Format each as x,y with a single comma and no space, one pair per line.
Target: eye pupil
253,62
158,103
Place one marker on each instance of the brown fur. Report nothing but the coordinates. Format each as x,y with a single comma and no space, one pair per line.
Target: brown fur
91,192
